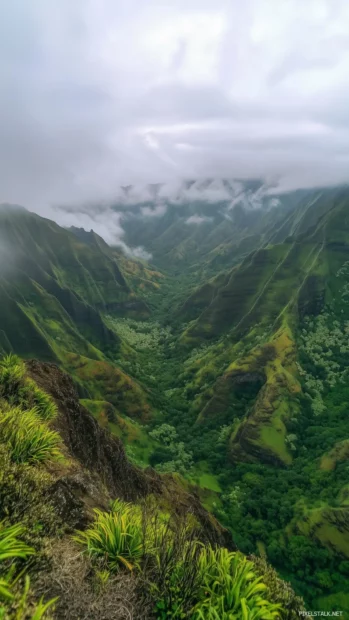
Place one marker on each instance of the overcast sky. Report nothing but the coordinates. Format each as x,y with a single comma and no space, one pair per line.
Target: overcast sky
98,93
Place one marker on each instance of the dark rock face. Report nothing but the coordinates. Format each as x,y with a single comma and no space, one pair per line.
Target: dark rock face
106,473
69,508
88,442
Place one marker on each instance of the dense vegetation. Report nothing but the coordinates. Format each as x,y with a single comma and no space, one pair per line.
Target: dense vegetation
267,508
276,333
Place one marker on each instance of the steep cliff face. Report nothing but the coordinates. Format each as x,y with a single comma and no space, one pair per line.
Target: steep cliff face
89,443
102,470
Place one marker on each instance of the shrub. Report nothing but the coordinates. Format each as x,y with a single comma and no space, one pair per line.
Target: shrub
160,455
191,580
29,439
172,575
43,403
231,589
280,591
24,497
171,456
12,372
115,536
165,433
178,575
22,391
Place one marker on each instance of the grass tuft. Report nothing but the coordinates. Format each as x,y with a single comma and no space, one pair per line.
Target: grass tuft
11,548
28,438
231,588
115,536
12,371
179,575
46,407
10,545
18,603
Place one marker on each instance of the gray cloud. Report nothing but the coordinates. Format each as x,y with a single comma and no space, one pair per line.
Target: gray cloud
155,211
103,220
97,94
198,219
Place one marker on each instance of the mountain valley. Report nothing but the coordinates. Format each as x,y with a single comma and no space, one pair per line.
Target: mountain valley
220,362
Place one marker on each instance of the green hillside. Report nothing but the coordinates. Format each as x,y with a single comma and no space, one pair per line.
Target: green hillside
277,327
259,393
55,287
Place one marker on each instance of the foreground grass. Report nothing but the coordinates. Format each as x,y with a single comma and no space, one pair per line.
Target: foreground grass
180,575
15,600
26,444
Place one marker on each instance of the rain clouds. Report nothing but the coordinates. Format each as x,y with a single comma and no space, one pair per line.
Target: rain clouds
96,94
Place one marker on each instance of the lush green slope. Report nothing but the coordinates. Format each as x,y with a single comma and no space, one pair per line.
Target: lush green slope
272,379
55,286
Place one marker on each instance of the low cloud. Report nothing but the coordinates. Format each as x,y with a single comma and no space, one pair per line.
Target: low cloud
198,219
101,94
104,221
155,211
139,252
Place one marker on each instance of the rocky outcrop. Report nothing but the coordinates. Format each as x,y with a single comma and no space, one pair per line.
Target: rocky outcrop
93,446
102,470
